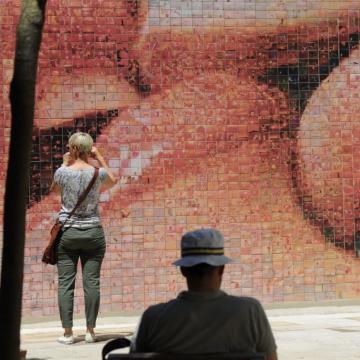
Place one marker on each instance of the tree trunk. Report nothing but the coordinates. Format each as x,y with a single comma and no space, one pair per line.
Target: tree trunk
22,98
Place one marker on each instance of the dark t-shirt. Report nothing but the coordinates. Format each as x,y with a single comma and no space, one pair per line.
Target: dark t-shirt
197,322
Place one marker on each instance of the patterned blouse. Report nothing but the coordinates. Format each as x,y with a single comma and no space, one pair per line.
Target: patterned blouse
72,183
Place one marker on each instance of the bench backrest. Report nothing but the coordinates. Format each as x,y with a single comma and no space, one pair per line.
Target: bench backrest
157,356
121,343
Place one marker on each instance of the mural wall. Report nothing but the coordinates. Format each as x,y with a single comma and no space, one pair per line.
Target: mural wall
242,115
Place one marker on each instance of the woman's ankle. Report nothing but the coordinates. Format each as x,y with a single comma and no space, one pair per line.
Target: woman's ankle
90,330
68,332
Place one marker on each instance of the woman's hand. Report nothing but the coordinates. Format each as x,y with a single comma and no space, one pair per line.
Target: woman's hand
95,153
67,159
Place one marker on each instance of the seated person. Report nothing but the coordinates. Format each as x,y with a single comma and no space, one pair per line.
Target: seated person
205,319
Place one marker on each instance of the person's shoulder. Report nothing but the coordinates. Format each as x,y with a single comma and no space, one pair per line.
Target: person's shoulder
244,301
102,174
157,309
60,169
59,172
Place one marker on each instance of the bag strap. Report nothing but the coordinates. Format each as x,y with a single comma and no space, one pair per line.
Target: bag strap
84,194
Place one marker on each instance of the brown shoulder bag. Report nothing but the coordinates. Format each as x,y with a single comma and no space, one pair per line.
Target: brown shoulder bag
50,253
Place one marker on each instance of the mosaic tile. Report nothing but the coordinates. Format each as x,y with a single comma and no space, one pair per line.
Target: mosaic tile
239,115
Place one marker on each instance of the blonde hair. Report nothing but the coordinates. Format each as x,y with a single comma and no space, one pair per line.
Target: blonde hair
81,142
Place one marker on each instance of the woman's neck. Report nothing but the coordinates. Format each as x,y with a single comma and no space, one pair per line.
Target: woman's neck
80,162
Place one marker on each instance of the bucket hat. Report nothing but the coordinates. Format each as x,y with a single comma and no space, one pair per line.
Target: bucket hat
202,246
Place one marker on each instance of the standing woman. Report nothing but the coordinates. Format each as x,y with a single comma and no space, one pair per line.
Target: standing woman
83,235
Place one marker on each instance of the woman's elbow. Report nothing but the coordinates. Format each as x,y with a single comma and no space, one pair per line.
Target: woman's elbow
110,182
55,188
114,179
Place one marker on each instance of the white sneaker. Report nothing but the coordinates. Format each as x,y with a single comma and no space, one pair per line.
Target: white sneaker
90,338
67,340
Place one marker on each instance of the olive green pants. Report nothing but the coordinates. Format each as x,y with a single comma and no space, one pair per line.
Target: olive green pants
89,246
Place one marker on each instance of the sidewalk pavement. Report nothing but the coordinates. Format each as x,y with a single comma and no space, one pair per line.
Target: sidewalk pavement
311,333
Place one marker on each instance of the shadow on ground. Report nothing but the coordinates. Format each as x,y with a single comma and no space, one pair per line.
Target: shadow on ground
102,337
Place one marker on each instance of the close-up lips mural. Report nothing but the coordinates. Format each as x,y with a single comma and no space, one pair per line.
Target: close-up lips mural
237,127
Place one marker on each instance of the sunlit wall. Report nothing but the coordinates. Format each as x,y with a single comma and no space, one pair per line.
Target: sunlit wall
242,115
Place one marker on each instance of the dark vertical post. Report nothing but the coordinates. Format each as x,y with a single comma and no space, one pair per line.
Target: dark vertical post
22,98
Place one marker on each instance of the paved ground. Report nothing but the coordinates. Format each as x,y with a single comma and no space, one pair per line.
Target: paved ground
312,333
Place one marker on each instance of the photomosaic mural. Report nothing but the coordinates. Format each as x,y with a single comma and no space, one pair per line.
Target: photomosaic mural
242,115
